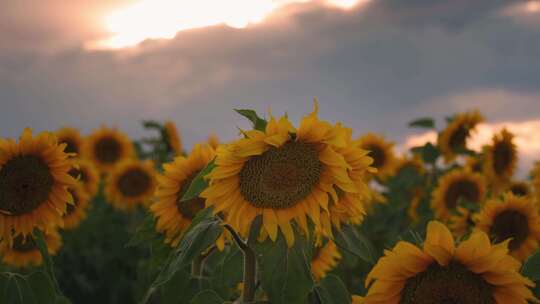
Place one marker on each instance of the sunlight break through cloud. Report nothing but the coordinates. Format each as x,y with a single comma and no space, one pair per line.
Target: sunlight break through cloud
162,19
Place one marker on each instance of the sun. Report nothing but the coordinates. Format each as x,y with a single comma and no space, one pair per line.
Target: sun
162,19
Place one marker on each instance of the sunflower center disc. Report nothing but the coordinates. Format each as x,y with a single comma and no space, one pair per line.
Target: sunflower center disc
458,138
451,284
25,183
24,244
510,224
71,146
463,189
189,208
502,157
107,150
134,182
377,153
281,177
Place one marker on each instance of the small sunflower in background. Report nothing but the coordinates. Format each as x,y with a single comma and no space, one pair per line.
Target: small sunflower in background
456,186
33,183
24,251
415,200
473,272
131,183
414,164
325,258
213,141
173,138
107,147
173,215
515,219
282,173
520,188
501,160
72,138
76,212
475,163
86,173
453,139
382,152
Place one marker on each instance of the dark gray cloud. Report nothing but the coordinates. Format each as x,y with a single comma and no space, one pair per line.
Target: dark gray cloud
374,68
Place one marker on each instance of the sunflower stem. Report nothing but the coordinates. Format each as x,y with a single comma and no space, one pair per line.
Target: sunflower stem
197,266
250,266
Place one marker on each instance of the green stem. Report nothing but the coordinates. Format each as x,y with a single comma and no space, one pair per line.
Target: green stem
197,266
250,266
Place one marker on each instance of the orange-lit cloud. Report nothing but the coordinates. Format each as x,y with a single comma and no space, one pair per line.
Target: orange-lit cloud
162,19
527,139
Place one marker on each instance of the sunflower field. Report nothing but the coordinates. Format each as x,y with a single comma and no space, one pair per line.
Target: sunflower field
286,213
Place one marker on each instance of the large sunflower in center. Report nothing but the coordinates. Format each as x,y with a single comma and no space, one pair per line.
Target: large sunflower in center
501,160
453,139
280,173
175,216
515,218
33,183
454,187
474,272
131,183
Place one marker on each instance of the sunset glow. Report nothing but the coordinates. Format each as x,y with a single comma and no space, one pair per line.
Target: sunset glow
162,19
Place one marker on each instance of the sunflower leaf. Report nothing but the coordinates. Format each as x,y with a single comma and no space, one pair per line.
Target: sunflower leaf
424,122
150,124
199,183
207,297
331,290
144,233
531,267
258,123
353,241
428,152
285,272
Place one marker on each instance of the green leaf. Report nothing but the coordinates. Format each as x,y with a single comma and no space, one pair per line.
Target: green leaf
199,183
531,267
144,233
331,290
207,297
42,287
428,152
285,272
258,123
424,122
150,124
353,241
180,289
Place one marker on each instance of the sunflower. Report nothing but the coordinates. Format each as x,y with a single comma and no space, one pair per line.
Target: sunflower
461,222
474,272
325,258
213,141
520,188
355,299
454,186
33,183
76,212
454,138
515,218
25,252
382,153
414,164
86,172
475,164
173,215
174,143
416,199
106,147
130,183
72,138
282,174
501,160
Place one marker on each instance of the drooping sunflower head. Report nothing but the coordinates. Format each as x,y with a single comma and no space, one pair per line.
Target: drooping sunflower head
325,258
515,219
455,187
454,138
520,188
282,174
131,183
72,138
473,272
382,152
33,183
107,147
76,212
86,173
501,160
213,141
173,215
173,138
24,251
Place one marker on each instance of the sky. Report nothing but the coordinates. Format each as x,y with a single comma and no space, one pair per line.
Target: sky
373,64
